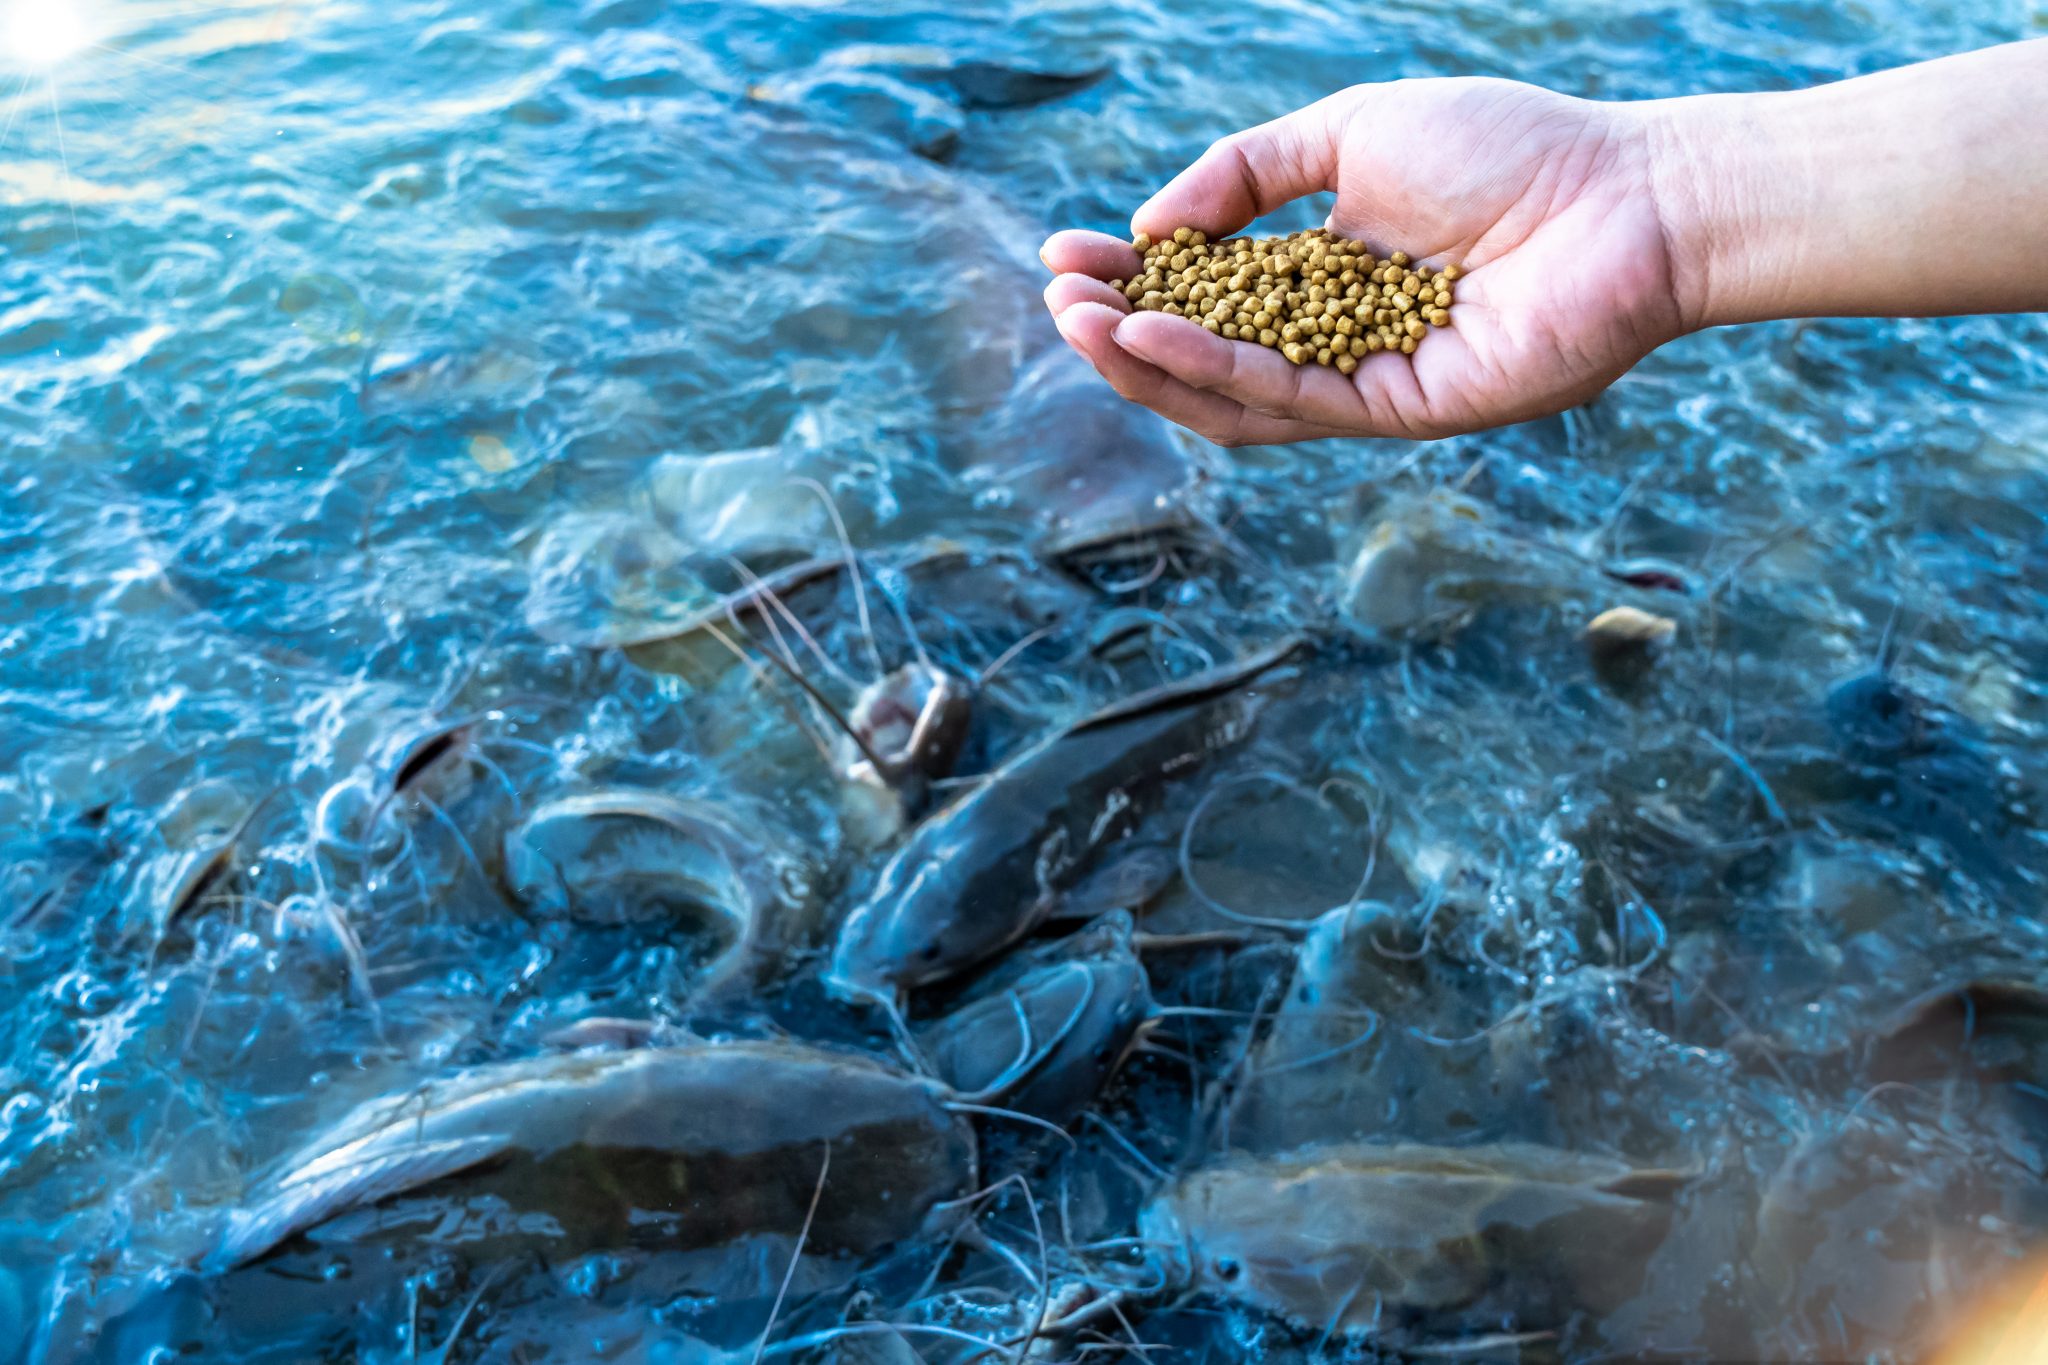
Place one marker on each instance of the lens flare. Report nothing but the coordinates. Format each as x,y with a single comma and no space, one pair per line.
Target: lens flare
2010,1327
41,33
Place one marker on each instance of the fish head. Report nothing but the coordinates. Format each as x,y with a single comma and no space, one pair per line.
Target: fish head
1876,719
915,722
1167,1252
914,930
1045,1044
617,856
1260,1234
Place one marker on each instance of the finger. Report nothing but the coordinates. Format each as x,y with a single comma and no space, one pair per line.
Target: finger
1087,327
1067,290
1384,397
1257,376
1248,174
1090,253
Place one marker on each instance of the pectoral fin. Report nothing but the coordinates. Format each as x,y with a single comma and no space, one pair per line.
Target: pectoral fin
1128,878
301,1203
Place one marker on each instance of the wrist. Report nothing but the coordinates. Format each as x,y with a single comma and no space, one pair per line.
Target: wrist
1726,187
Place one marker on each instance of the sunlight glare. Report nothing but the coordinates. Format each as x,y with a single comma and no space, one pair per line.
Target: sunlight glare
41,33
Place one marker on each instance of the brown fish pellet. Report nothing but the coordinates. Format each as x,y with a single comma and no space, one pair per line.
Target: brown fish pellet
1317,299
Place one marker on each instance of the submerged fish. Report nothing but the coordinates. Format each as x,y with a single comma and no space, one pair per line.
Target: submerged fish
992,85
1113,486
431,383
39,878
741,502
605,579
1925,771
917,95
1356,1239
1867,1235
1433,562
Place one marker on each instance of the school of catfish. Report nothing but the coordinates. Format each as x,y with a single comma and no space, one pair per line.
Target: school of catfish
1157,907
1117,1004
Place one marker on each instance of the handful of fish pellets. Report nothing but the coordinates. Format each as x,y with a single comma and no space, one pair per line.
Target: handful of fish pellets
1313,297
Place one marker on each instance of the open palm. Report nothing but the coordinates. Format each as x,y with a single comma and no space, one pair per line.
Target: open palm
1544,201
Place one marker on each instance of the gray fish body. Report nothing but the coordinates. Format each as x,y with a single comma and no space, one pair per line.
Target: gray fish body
1113,484
985,871
1352,1238
1994,1029
990,85
631,854
691,1147
1045,1039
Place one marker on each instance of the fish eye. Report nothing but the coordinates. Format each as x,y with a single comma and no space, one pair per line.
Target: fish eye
930,953
1227,1269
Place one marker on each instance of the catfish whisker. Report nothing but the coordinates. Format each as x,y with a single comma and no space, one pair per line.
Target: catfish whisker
772,600
860,596
803,1235
762,679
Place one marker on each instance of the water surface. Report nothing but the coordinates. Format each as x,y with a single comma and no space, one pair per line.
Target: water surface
370,367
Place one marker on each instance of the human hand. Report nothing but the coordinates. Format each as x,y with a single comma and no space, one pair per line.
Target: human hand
1546,202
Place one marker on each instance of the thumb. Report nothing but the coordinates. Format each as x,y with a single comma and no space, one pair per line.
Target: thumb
1248,174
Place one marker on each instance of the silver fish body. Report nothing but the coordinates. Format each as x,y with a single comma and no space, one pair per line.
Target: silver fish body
1360,1237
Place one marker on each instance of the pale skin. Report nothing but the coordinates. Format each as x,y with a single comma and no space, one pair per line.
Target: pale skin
1590,234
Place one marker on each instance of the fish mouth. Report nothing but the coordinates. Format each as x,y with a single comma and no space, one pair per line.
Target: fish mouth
875,991
866,964
855,982
1167,1253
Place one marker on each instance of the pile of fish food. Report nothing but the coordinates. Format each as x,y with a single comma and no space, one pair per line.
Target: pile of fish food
1313,297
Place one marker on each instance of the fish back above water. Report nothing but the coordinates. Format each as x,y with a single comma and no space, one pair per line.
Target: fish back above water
984,871
693,1146
1996,1028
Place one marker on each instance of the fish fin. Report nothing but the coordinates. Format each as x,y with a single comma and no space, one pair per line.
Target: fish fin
1197,688
1653,1186
1128,879
1473,1346
605,1032
304,1203
987,85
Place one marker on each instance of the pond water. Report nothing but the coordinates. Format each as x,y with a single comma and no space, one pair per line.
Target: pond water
383,388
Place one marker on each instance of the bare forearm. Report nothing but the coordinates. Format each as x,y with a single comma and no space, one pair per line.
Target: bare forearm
1913,192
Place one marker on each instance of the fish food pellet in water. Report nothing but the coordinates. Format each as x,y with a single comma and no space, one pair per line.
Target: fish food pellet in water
1315,298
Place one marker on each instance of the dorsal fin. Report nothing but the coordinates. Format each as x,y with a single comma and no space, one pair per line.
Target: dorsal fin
1201,687
1659,1185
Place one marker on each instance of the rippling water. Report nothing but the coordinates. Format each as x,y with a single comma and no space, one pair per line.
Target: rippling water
366,369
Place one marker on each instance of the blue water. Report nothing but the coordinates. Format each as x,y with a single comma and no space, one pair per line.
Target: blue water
359,367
